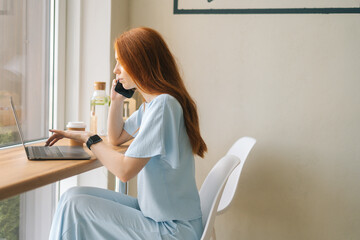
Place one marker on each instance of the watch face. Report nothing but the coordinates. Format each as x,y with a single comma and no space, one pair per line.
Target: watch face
95,138
92,140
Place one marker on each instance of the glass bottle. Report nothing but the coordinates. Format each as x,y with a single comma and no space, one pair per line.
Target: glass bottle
99,108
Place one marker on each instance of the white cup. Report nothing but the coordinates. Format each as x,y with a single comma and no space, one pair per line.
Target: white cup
76,126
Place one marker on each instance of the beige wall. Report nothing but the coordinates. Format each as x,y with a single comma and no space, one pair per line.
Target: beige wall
292,82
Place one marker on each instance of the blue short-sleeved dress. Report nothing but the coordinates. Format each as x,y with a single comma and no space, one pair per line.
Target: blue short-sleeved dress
168,204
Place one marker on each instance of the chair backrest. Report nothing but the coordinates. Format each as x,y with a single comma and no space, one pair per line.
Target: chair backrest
241,148
211,190
220,184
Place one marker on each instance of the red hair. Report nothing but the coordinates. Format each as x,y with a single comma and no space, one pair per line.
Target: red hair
147,59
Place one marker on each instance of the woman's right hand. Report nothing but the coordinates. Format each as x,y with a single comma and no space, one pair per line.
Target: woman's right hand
81,136
114,95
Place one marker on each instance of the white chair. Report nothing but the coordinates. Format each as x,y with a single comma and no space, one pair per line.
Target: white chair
219,187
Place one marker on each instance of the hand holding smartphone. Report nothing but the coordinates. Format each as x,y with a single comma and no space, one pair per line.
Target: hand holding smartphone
121,90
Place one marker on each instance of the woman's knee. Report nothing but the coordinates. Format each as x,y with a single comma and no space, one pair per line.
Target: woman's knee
76,206
74,191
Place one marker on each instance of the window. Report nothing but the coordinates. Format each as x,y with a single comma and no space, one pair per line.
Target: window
24,68
24,75
9,218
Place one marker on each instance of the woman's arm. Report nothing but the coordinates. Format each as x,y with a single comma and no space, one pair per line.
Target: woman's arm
116,133
125,168
121,166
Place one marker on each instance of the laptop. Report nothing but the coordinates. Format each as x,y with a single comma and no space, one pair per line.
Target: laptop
50,153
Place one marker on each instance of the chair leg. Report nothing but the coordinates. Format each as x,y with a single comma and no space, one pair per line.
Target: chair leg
213,235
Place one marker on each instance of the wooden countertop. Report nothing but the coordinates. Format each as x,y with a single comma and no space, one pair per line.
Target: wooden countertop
18,174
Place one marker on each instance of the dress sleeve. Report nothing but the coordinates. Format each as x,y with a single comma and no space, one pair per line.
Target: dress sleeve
149,139
159,132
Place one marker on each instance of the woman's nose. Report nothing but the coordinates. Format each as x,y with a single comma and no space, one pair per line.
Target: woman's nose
116,70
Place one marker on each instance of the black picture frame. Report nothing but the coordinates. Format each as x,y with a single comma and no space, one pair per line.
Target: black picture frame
354,10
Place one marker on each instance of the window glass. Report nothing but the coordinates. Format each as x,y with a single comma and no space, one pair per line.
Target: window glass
24,75
24,69
10,218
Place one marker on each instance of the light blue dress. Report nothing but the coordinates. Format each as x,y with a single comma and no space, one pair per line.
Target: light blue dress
168,204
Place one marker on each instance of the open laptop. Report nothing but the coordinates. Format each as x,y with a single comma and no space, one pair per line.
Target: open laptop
49,153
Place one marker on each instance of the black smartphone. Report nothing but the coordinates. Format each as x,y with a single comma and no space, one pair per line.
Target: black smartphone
121,90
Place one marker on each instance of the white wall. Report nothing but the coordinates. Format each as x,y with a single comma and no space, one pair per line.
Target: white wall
292,82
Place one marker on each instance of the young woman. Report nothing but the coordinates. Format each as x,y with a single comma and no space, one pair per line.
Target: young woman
166,137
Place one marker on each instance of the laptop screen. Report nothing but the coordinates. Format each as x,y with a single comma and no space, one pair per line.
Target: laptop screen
17,122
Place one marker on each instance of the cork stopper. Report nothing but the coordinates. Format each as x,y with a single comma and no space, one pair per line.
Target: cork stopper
99,85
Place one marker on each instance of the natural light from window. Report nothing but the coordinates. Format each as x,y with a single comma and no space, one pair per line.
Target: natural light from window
24,75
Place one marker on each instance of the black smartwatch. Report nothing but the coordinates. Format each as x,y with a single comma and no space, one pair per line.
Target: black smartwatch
92,140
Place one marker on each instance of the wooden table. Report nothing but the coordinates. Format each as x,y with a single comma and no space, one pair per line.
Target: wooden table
18,174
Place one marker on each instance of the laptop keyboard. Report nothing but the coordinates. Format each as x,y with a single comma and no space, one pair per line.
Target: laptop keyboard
46,151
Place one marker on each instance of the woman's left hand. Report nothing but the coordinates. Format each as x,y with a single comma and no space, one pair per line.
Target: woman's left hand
80,136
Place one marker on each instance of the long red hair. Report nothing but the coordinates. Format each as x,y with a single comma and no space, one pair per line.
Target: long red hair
147,59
